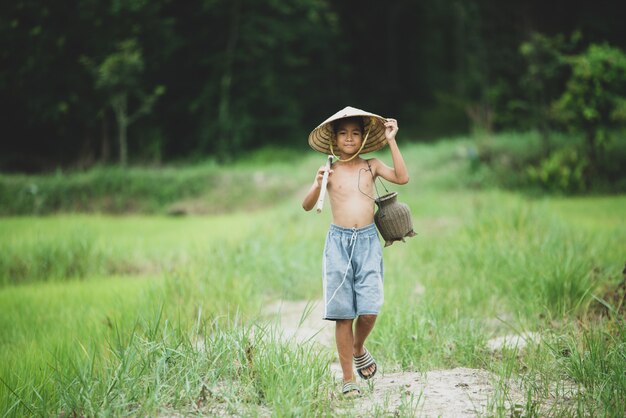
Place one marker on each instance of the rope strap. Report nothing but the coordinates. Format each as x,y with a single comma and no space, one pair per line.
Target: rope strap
369,168
353,238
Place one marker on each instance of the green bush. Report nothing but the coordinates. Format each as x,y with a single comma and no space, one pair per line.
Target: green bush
594,100
518,161
581,95
561,171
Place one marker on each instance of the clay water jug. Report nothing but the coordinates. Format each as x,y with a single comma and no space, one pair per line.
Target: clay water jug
393,219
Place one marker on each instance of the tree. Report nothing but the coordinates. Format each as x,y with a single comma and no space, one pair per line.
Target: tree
594,100
544,78
119,77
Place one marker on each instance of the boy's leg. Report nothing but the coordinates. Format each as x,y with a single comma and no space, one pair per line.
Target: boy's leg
363,327
345,342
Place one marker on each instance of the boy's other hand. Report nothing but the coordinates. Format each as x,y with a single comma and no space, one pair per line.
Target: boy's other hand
391,129
320,175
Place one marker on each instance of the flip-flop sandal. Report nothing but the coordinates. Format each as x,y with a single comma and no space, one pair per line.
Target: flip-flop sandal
349,387
363,362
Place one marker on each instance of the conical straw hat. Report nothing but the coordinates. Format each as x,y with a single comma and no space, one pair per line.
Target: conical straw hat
320,137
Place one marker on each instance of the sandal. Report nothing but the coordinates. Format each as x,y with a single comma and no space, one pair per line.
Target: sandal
349,387
363,362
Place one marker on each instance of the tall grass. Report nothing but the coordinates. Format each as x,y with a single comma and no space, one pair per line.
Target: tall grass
66,247
160,367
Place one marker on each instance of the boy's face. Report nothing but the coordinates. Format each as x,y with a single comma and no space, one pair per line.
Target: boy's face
348,137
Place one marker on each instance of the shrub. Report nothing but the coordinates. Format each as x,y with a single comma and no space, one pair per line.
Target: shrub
562,171
594,100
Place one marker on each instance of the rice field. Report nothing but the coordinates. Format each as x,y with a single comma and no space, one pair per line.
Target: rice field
154,315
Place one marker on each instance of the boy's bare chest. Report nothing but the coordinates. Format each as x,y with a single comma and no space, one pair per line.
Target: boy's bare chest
351,180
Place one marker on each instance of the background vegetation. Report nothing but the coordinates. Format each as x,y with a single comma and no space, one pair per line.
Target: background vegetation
96,82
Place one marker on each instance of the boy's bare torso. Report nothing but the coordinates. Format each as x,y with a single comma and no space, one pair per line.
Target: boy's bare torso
350,207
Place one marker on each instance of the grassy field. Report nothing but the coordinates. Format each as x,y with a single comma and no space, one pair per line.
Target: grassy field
160,315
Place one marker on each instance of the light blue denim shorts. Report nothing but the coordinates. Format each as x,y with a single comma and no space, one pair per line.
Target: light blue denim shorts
352,272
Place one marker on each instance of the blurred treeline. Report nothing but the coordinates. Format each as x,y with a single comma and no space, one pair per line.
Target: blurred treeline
85,82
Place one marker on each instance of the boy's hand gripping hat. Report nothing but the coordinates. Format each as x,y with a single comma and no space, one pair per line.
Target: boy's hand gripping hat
321,137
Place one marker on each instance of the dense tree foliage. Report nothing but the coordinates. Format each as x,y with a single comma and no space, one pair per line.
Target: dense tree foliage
231,75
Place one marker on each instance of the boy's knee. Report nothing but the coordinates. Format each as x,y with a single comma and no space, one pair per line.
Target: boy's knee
339,323
368,318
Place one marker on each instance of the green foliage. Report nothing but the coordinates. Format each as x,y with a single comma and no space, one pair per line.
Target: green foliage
544,78
247,98
120,72
593,100
504,159
581,95
590,104
520,161
119,75
562,171
241,74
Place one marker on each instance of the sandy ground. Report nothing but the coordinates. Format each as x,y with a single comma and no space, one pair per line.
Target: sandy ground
460,392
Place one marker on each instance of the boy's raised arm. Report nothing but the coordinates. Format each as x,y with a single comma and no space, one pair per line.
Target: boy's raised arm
399,173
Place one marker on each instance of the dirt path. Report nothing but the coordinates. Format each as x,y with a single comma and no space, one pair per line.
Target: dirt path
459,392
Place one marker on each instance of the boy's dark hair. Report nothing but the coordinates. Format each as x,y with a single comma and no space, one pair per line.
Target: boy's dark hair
355,119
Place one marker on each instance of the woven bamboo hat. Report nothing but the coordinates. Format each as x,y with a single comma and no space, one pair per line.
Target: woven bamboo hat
320,138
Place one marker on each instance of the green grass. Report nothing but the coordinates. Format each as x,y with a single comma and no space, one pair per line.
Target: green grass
147,315
203,188
65,247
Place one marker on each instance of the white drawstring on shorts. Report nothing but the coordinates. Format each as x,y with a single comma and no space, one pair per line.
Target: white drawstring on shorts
353,244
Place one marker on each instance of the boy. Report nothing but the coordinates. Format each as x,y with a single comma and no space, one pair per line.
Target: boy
352,262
